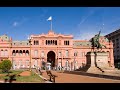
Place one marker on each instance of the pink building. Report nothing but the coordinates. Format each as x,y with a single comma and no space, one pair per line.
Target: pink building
58,49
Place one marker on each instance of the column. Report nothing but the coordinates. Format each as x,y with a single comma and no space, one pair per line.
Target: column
92,57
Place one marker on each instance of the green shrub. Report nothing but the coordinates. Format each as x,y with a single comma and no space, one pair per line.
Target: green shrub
6,65
43,68
0,65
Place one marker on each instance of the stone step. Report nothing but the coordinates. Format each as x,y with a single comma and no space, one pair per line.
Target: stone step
94,70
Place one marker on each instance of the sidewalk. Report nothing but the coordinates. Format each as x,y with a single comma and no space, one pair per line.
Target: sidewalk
72,78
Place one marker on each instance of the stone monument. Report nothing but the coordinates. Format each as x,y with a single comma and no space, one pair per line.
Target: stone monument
97,61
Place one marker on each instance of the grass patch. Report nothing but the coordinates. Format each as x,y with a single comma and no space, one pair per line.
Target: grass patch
12,72
32,78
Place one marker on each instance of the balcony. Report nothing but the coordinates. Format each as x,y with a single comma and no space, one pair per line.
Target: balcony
35,57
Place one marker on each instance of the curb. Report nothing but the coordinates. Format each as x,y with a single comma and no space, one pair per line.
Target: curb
45,79
1,81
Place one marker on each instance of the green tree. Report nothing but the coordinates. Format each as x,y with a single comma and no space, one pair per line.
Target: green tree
0,65
6,65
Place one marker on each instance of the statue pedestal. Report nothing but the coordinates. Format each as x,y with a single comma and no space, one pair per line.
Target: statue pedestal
98,62
94,70
102,60
91,62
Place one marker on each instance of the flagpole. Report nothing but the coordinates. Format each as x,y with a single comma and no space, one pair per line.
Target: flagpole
51,24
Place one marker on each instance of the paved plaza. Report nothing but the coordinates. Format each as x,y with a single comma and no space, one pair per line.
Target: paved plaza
72,78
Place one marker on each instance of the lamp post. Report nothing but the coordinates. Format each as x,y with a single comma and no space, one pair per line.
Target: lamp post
29,38
41,62
61,62
74,63
12,62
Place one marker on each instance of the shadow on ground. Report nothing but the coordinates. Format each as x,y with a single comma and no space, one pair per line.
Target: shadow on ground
92,74
10,78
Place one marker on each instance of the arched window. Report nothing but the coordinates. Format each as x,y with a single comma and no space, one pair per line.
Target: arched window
14,64
37,42
13,53
20,52
66,53
36,63
20,63
34,42
27,52
27,63
51,42
67,65
75,53
16,51
83,54
36,53
55,42
60,65
42,54
2,52
23,51
6,52
46,42
60,54
76,64
68,42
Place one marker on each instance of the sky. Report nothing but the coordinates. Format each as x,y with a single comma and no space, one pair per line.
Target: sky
82,22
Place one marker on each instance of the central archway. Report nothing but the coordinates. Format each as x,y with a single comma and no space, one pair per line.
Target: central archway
51,58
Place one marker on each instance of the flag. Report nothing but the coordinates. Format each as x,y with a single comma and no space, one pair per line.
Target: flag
50,18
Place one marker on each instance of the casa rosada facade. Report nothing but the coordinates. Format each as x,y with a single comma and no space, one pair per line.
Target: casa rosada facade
58,49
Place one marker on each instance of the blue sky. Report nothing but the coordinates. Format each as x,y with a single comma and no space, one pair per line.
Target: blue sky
82,22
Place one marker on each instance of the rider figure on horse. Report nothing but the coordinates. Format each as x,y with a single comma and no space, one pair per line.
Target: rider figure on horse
96,43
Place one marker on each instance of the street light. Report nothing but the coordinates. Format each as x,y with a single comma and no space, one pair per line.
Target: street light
74,59
61,63
74,63
29,39
12,63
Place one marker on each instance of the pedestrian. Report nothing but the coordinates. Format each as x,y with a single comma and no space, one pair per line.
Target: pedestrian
40,71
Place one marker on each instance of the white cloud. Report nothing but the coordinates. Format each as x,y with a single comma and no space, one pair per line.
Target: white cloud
88,35
15,24
86,17
84,35
26,36
19,21
91,11
85,31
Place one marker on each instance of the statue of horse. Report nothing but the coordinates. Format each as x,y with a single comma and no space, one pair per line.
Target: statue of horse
96,43
100,46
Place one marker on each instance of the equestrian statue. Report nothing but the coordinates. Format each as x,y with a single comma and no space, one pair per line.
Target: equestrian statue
96,43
